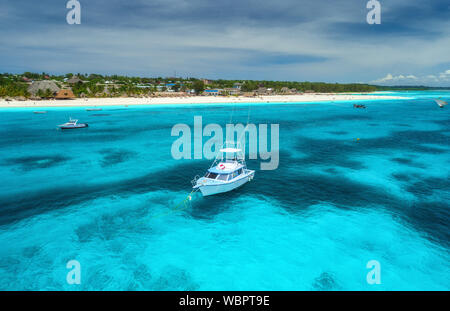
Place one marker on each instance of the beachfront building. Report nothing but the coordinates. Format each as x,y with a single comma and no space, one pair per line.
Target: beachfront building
42,87
231,91
285,90
65,94
144,86
207,82
170,86
263,91
74,80
214,92
288,91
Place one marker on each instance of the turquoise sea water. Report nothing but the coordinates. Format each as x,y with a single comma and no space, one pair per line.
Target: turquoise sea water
104,196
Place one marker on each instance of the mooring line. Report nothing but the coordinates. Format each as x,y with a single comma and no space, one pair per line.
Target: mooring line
176,208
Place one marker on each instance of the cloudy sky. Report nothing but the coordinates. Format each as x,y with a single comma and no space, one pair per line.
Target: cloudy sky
313,40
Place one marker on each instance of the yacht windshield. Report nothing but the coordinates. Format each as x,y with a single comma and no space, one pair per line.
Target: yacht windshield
223,177
211,175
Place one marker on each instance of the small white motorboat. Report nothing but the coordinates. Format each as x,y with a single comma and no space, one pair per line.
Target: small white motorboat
72,124
441,103
227,173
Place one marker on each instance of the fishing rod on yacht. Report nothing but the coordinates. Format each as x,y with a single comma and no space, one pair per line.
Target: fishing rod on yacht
246,126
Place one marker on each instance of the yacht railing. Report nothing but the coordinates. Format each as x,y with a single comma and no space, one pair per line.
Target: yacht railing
194,181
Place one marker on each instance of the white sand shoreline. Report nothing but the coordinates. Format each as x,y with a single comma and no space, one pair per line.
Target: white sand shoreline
94,102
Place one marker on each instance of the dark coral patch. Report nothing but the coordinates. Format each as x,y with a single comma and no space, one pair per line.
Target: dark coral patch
115,156
338,132
402,177
174,279
325,282
36,162
408,162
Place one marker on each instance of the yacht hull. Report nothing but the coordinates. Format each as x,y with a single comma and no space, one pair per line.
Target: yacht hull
78,126
213,189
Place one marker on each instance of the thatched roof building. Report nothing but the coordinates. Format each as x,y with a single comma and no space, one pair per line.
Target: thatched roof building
74,80
65,94
43,86
288,91
262,91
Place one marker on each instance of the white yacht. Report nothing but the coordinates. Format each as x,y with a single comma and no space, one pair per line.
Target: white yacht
227,173
72,124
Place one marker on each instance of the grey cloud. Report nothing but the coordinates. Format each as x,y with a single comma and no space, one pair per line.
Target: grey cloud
284,39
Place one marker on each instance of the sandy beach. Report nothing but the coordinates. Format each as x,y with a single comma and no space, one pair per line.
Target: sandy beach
92,102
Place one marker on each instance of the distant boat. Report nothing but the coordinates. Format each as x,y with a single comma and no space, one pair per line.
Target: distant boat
72,124
227,175
39,112
94,109
441,103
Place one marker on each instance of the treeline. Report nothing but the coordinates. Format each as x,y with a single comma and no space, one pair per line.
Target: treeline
318,87
12,88
92,89
410,88
94,85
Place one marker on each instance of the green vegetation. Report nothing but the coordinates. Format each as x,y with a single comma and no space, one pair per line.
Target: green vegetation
318,87
95,85
198,86
12,88
410,88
